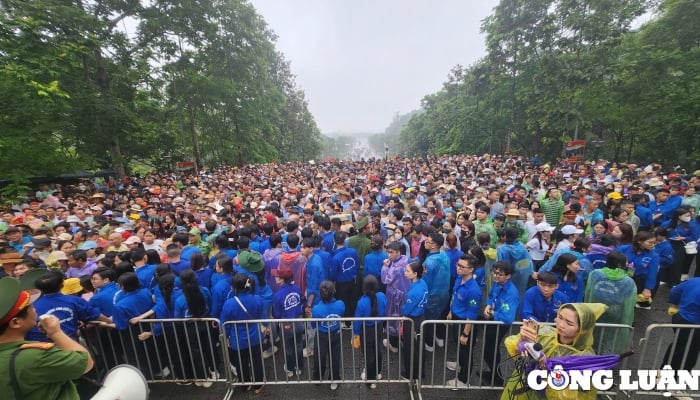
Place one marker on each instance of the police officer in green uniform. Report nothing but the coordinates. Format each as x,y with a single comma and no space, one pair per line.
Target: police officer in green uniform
35,370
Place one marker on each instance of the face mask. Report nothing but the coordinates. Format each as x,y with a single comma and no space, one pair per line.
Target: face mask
446,230
684,218
459,205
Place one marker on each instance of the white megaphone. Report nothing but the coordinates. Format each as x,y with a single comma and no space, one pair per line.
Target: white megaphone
123,382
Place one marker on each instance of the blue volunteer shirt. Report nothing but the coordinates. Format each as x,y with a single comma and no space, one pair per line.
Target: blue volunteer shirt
286,302
504,300
645,264
572,291
315,274
687,297
70,310
666,254
331,311
131,305
179,266
242,336
453,255
105,298
466,299
325,261
364,310
182,308
344,265
146,275
537,307
328,242
204,277
416,298
162,311
220,293
374,262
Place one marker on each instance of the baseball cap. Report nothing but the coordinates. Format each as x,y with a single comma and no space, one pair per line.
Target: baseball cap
282,272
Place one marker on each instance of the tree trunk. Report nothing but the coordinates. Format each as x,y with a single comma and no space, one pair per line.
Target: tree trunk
193,134
104,126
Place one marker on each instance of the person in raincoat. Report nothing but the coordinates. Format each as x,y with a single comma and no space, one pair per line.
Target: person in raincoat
573,335
613,286
393,276
517,255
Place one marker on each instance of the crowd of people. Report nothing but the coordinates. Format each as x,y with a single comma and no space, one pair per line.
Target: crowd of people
453,237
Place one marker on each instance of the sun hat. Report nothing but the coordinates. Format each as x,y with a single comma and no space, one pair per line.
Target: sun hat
251,261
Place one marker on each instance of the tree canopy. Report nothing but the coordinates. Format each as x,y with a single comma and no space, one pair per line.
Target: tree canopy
94,84
557,70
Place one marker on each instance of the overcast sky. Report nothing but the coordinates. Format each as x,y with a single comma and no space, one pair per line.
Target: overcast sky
361,61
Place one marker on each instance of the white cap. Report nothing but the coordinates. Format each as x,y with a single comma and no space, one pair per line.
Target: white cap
132,240
571,230
544,227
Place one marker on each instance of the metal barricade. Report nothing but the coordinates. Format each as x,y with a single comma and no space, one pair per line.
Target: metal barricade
487,363
294,351
167,350
675,345
202,352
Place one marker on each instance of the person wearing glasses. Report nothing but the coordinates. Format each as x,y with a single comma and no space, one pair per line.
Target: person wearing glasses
501,306
466,303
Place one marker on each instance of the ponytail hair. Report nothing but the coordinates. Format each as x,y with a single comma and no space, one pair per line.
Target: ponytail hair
190,289
166,283
370,285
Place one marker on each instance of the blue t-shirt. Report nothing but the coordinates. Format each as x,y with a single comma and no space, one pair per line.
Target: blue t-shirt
364,310
466,299
221,292
182,309
315,274
572,291
131,305
645,263
331,311
242,336
179,266
204,277
537,307
504,300
687,297
70,310
146,275
345,264
374,262
453,255
286,302
416,299
105,298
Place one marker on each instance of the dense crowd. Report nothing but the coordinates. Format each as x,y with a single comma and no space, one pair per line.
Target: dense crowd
451,237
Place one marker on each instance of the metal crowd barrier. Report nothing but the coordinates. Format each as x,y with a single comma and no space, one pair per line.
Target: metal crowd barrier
183,351
289,339
671,344
197,351
482,356
187,351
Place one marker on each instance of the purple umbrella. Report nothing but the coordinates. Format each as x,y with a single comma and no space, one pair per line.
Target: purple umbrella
586,362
